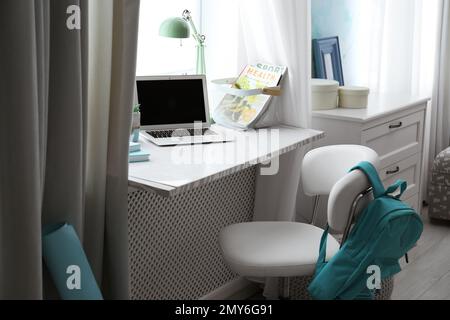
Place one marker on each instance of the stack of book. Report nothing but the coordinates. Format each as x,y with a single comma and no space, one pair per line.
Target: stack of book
136,154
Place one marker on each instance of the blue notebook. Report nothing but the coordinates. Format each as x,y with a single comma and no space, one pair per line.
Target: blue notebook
134,147
139,156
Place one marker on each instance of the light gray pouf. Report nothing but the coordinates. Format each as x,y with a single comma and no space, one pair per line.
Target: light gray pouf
439,188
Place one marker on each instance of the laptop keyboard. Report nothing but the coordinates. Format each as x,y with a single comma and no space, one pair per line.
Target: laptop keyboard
180,133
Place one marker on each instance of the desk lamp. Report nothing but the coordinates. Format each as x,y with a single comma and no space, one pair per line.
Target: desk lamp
180,28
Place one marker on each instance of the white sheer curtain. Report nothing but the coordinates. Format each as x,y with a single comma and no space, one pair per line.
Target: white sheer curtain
394,45
399,46
277,32
220,24
440,110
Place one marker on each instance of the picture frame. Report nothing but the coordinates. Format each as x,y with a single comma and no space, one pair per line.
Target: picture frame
327,59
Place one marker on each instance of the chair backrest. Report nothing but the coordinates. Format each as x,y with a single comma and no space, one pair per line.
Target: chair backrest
342,198
323,167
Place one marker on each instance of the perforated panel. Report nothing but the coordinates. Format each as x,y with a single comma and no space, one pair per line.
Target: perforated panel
173,242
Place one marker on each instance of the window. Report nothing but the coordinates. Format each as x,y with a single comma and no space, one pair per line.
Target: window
388,45
158,55
217,19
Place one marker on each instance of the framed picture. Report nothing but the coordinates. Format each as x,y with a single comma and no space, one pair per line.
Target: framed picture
327,59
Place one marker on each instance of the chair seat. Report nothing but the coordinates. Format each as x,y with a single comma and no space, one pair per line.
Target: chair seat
273,249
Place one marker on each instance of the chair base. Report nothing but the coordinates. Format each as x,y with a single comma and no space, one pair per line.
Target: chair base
285,293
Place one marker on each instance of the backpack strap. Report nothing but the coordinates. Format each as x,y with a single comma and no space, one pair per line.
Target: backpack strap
374,179
399,184
321,261
377,185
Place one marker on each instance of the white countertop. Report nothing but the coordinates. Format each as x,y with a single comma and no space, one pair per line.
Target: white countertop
173,170
379,106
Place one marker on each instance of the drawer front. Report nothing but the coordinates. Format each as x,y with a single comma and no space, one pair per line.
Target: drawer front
408,170
397,139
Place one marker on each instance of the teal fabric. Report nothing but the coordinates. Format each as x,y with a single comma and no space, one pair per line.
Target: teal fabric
61,248
384,232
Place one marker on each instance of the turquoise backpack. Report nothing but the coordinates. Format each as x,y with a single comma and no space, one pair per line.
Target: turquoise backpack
383,233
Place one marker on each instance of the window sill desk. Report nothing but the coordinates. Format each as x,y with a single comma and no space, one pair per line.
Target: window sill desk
181,199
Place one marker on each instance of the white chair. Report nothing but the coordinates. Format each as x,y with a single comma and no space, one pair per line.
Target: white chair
290,249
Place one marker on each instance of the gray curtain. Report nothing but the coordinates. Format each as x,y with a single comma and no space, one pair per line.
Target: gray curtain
440,110
437,138
44,135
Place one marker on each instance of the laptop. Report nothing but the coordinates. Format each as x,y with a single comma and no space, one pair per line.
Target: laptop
174,110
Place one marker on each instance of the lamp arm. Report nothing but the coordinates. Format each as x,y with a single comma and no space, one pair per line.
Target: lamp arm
197,36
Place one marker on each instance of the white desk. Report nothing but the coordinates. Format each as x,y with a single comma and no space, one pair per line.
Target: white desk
176,211
173,170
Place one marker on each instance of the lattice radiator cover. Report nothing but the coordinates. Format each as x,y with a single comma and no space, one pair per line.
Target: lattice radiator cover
173,242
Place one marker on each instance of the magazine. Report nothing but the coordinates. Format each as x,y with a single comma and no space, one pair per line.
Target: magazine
244,111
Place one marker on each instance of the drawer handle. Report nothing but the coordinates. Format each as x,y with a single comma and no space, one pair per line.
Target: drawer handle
396,125
396,170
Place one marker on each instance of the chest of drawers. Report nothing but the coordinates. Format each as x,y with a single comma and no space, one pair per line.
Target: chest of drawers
393,126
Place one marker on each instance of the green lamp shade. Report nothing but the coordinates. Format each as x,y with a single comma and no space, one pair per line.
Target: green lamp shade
175,28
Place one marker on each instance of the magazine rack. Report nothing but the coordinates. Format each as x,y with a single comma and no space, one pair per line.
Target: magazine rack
266,117
248,102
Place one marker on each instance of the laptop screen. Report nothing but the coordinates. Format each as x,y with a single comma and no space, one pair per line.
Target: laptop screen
171,101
